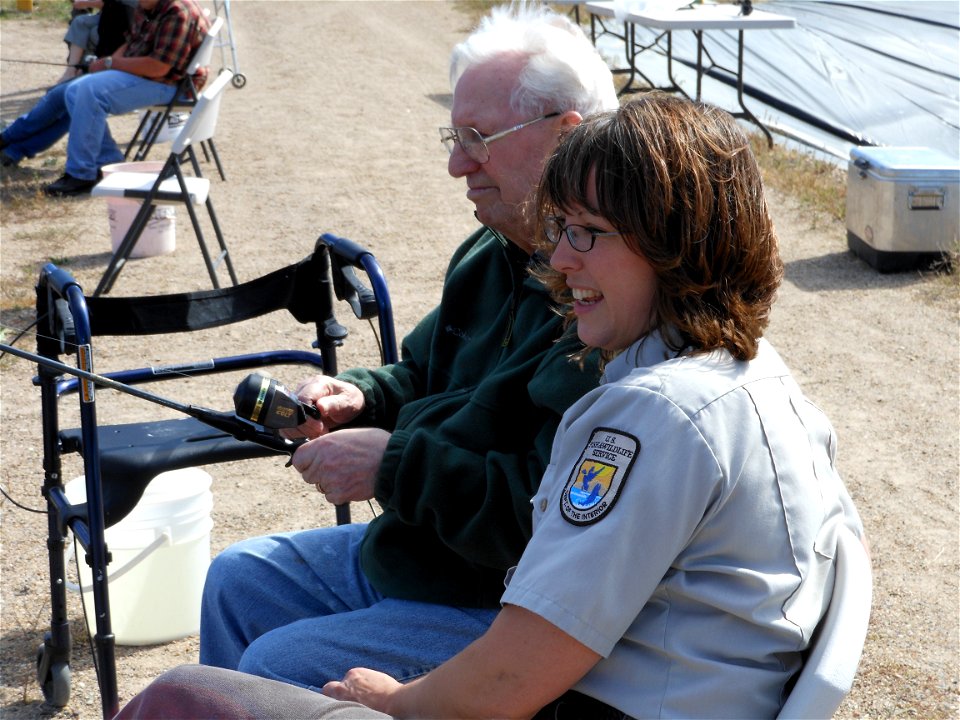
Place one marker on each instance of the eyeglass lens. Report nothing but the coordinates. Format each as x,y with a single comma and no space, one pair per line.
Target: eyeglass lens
475,145
470,140
581,238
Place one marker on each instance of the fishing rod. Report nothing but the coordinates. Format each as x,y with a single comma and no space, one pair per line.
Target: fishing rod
272,405
82,64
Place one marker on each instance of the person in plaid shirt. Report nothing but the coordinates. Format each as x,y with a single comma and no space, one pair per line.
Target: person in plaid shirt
144,71
167,32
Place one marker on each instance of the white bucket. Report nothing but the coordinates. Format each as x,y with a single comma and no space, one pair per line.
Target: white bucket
159,237
161,552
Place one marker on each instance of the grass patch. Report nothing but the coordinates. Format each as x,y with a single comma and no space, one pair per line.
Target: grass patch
815,183
58,10
945,285
21,187
24,201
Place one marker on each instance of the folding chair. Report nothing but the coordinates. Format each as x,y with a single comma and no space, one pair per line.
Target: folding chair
120,460
155,117
171,186
832,659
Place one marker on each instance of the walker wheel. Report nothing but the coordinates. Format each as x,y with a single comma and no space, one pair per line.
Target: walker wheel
239,80
54,679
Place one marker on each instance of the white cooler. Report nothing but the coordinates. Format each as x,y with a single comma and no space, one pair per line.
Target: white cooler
902,206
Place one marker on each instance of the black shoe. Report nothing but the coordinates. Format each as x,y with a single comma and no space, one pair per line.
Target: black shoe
68,186
6,160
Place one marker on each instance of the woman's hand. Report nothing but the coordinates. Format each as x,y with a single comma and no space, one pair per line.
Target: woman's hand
369,687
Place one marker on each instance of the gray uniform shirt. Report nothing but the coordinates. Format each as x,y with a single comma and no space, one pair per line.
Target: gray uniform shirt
685,530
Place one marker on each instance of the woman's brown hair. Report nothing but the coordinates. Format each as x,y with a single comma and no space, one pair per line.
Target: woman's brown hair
678,180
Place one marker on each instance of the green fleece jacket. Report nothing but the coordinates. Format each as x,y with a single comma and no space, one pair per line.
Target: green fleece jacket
472,406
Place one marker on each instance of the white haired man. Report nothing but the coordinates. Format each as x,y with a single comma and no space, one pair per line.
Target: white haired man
451,441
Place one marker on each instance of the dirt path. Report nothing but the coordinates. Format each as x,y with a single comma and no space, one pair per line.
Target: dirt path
336,131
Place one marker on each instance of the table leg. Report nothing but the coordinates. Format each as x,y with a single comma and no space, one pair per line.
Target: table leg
744,112
629,50
699,35
674,85
630,43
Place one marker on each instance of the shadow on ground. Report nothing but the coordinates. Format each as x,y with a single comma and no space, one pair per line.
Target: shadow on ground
845,271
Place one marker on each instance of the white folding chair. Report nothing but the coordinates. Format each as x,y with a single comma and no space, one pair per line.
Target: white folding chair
833,656
156,116
171,186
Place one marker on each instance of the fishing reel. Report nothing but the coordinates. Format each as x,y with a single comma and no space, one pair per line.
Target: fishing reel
265,401
84,65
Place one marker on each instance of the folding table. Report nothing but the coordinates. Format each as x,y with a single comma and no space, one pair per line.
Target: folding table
696,17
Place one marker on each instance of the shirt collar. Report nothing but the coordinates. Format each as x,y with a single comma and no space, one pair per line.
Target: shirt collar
645,352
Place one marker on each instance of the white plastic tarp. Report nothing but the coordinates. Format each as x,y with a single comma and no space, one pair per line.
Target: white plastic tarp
852,72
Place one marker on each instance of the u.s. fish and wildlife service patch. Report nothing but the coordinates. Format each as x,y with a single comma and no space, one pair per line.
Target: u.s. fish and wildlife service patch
598,477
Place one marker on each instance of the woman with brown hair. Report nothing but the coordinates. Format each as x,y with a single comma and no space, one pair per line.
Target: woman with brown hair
685,528
684,531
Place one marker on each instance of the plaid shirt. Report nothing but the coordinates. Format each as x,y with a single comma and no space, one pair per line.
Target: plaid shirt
171,33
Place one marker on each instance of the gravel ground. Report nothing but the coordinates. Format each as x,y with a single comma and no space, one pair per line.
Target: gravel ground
336,131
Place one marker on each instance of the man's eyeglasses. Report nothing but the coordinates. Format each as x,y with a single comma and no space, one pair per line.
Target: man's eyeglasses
580,238
474,144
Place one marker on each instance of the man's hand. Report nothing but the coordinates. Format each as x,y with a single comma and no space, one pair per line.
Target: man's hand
338,402
97,65
343,465
373,689
145,66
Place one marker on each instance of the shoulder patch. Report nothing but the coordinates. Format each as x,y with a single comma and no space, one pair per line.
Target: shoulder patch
598,477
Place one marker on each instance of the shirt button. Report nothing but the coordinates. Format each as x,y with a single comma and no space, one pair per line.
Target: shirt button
543,505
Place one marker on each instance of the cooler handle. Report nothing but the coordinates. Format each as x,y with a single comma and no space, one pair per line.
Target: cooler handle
926,198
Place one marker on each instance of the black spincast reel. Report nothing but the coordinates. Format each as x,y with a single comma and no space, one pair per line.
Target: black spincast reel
263,400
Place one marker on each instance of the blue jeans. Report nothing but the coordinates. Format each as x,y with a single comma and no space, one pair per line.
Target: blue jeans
41,127
81,107
296,607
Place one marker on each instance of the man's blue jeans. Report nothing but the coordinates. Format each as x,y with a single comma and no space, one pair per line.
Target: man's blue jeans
41,127
81,107
296,607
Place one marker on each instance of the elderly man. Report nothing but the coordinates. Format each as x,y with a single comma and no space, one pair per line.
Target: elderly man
451,441
144,71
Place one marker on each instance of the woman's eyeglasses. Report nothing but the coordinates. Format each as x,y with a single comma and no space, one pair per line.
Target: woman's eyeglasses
580,237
